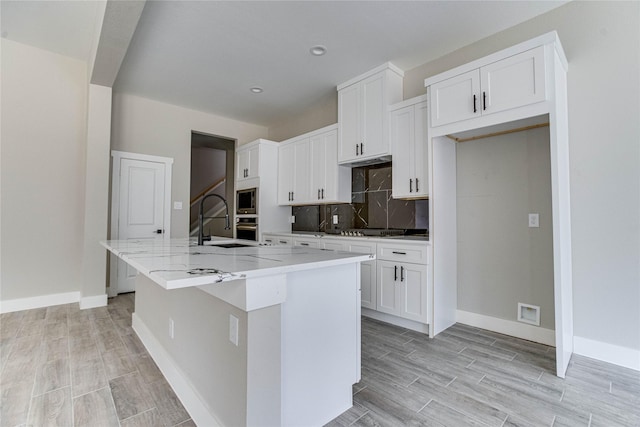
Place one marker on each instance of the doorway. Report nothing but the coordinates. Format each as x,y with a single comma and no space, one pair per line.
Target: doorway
212,166
140,208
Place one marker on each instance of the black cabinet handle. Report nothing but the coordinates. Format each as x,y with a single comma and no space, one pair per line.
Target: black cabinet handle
484,100
293,196
410,186
304,244
475,110
357,153
417,185
318,194
283,241
361,148
395,273
323,193
398,253
159,231
401,274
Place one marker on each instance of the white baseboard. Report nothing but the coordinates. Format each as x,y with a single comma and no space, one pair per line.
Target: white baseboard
19,304
190,398
610,353
508,327
394,320
93,302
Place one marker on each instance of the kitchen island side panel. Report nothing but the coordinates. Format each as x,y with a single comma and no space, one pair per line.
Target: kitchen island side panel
320,344
216,369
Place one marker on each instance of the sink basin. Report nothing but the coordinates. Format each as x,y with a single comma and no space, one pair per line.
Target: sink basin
233,245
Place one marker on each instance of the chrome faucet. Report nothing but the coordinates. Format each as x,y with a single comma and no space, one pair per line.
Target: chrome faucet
201,217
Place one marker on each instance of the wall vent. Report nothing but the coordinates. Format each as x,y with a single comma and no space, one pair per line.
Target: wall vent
529,314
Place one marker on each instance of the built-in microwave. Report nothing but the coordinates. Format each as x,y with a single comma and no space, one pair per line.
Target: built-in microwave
246,201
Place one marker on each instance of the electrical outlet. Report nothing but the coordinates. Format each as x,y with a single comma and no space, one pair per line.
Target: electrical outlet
292,220
171,328
335,219
233,329
177,206
534,220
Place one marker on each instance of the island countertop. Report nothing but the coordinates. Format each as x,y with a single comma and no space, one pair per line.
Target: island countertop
180,263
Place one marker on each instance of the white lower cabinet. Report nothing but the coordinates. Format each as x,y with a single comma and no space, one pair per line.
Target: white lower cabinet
403,286
396,283
402,290
367,273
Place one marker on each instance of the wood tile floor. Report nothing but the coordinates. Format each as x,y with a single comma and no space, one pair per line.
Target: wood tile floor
62,366
69,367
472,377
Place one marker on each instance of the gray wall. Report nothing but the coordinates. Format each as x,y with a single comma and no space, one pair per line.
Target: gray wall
602,44
501,261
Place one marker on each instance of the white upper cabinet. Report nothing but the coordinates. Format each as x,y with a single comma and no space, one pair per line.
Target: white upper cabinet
362,114
408,134
512,82
293,172
309,171
247,161
330,183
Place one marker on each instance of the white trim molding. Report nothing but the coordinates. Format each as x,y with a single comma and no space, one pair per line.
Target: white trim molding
190,398
610,353
19,304
93,301
508,327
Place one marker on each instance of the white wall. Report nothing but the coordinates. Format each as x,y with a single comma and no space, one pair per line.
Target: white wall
96,207
145,126
44,101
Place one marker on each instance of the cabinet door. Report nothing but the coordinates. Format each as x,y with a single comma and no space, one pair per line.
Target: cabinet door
286,167
318,166
413,283
389,289
403,162
253,162
301,178
242,164
349,122
374,116
420,152
368,285
452,100
513,82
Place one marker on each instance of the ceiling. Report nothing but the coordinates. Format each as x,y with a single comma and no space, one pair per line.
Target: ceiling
205,55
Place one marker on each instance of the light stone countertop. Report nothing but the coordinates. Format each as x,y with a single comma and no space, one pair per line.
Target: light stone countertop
180,263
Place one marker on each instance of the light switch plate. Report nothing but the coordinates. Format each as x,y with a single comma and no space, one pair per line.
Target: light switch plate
534,220
335,219
292,220
177,206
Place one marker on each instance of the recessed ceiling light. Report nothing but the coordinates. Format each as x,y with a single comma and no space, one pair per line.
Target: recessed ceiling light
318,50
256,89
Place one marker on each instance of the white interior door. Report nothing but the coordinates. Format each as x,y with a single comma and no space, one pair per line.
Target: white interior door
141,193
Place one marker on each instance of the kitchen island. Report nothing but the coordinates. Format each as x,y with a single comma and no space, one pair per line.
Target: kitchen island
250,335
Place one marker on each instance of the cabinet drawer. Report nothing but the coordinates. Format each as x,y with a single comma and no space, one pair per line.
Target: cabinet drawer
272,239
333,245
306,243
401,252
361,247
